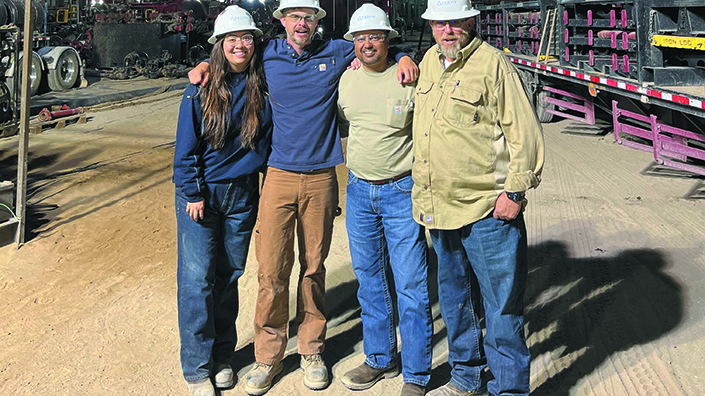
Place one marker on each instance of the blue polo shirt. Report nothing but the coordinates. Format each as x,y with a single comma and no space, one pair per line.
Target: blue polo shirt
304,93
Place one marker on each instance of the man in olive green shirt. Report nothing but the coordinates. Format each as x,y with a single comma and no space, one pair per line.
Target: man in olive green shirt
387,247
478,147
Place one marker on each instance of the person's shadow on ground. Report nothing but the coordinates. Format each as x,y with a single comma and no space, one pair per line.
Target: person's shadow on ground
582,311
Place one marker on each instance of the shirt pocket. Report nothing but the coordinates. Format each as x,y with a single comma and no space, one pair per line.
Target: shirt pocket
423,90
323,72
398,112
464,107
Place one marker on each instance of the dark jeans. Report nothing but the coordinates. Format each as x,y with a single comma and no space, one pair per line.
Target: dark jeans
485,262
211,257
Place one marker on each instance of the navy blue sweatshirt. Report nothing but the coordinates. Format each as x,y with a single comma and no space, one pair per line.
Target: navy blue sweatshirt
196,163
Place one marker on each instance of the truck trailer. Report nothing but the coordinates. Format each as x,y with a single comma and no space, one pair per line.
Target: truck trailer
639,62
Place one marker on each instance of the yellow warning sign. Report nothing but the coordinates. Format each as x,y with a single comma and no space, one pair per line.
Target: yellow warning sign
695,43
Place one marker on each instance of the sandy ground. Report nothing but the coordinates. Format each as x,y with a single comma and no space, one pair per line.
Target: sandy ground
615,304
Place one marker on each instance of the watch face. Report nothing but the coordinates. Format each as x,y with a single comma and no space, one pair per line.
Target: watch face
514,196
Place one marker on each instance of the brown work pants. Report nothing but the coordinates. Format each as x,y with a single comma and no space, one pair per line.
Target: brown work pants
307,201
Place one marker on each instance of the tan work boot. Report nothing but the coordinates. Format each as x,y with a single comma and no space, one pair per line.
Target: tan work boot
202,387
364,376
315,371
451,389
410,389
259,380
224,376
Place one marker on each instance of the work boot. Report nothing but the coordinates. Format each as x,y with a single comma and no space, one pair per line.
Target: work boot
364,376
451,389
202,387
315,371
412,390
259,380
224,376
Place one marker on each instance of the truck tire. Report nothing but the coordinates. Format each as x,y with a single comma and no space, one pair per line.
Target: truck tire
3,13
542,106
5,103
65,75
35,75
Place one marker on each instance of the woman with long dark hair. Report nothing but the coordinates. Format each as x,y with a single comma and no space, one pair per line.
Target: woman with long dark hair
222,141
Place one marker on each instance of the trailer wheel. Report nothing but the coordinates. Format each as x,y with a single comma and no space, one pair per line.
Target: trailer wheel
65,75
35,75
5,103
542,106
3,13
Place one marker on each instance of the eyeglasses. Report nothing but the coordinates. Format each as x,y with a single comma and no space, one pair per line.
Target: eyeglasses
374,38
246,39
296,18
452,23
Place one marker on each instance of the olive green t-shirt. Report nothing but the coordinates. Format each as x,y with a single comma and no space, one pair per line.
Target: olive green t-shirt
376,111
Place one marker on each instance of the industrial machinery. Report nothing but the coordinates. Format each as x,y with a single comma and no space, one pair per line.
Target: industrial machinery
52,67
640,62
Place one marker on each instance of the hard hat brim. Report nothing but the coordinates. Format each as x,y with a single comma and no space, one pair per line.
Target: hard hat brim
440,16
279,12
391,33
213,39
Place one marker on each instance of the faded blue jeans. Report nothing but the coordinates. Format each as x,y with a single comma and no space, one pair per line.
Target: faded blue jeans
485,262
388,250
211,257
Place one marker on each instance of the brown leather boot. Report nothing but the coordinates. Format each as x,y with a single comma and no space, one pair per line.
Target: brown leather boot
364,376
412,390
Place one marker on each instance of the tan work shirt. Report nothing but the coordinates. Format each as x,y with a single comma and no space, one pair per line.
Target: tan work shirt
377,111
475,135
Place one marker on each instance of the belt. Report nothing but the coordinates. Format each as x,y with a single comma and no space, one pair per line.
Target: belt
387,181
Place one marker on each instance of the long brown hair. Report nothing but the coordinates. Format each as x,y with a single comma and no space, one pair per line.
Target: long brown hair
216,98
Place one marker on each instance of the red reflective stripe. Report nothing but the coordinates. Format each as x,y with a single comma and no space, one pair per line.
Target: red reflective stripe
681,99
629,87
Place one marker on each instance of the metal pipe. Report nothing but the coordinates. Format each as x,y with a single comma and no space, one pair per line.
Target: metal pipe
46,115
23,151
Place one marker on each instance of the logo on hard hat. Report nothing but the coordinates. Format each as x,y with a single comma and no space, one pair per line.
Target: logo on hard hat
446,2
363,17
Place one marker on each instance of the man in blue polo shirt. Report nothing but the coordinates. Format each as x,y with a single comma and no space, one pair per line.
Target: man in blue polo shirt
300,192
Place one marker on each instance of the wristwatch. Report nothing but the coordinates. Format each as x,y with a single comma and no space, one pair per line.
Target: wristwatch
515,196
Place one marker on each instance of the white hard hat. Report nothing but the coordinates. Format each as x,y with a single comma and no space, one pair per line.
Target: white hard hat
444,10
369,17
313,4
233,19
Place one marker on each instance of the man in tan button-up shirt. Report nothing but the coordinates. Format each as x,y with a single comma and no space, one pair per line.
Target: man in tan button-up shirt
478,147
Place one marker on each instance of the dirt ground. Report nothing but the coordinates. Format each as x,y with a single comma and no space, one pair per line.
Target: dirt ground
615,305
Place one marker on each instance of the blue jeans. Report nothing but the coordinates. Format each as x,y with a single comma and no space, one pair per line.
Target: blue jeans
388,249
211,257
485,262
